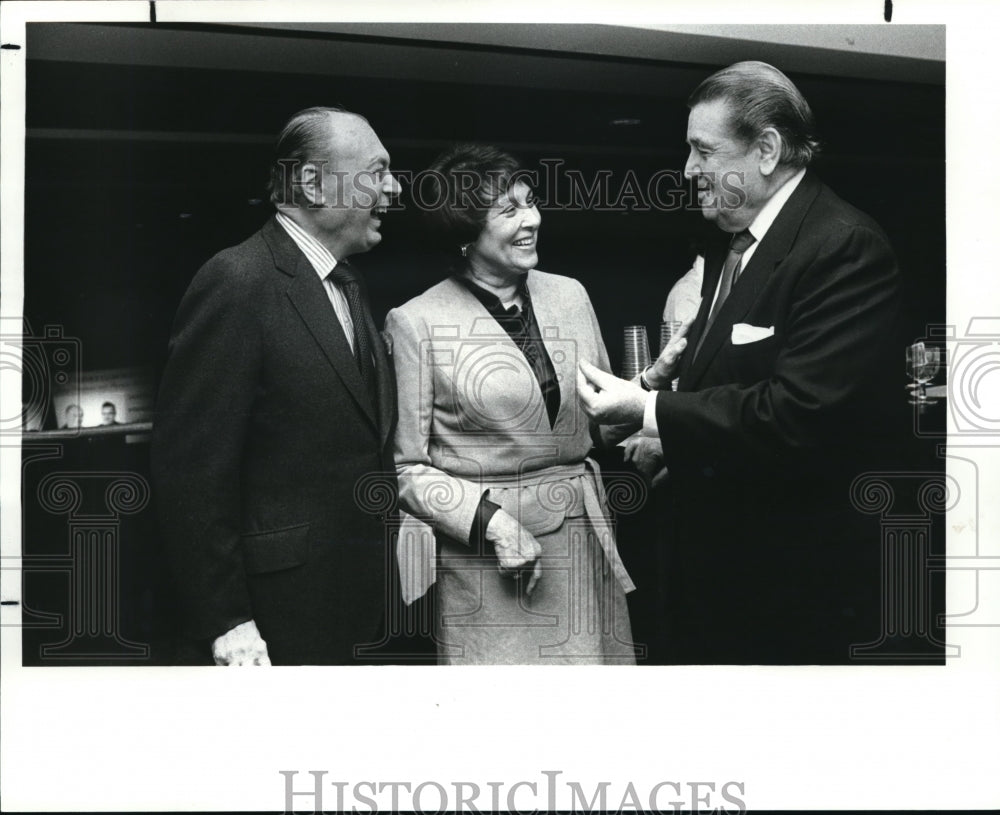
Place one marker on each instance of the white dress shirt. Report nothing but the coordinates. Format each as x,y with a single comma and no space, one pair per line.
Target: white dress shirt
758,228
323,262
685,296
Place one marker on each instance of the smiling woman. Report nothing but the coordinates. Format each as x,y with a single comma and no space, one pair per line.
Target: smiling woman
491,446
506,248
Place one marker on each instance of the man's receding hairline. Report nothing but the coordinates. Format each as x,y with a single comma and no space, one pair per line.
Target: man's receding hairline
330,114
727,108
332,129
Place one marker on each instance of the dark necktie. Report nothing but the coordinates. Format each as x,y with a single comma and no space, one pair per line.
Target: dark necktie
730,271
345,277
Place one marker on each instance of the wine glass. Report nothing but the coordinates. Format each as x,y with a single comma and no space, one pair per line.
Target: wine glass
922,365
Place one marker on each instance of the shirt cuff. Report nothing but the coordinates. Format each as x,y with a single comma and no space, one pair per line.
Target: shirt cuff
484,514
649,427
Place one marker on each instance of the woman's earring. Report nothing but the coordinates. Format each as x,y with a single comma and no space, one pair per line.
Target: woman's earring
464,249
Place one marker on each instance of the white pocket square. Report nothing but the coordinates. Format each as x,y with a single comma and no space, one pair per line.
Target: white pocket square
744,333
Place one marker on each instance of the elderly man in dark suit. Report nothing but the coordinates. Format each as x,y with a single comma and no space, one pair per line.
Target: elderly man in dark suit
780,397
276,399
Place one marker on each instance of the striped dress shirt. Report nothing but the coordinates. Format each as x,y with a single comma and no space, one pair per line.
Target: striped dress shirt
323,262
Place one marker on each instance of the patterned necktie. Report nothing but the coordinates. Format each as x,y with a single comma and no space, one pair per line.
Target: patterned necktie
730,271
345,277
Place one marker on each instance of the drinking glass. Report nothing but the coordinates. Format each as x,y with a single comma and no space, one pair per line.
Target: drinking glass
636,351
922,365
667,330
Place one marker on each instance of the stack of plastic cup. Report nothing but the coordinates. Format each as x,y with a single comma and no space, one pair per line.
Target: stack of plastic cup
636,351
667,330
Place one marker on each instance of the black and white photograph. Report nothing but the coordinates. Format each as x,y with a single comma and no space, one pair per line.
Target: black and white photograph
590,410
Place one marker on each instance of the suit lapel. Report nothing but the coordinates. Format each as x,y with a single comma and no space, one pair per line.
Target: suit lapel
563,363
751,282
310,300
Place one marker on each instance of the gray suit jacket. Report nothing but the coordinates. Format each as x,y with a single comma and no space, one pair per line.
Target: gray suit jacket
472,414
263,431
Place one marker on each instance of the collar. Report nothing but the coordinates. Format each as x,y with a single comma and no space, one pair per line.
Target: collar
758,228
493,303
317,254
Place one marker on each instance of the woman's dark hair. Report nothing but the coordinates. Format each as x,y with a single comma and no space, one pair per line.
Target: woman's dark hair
458,189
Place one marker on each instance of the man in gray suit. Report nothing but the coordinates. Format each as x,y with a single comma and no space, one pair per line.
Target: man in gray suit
276,399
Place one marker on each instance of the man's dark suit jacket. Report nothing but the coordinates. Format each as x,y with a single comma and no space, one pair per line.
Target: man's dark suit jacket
263,430
769,562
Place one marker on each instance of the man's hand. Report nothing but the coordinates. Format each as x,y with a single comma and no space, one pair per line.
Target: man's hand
607,399
646,454
241,645
517,550
661,373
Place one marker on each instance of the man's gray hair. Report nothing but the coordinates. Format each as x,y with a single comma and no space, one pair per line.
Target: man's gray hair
760,96
304,139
